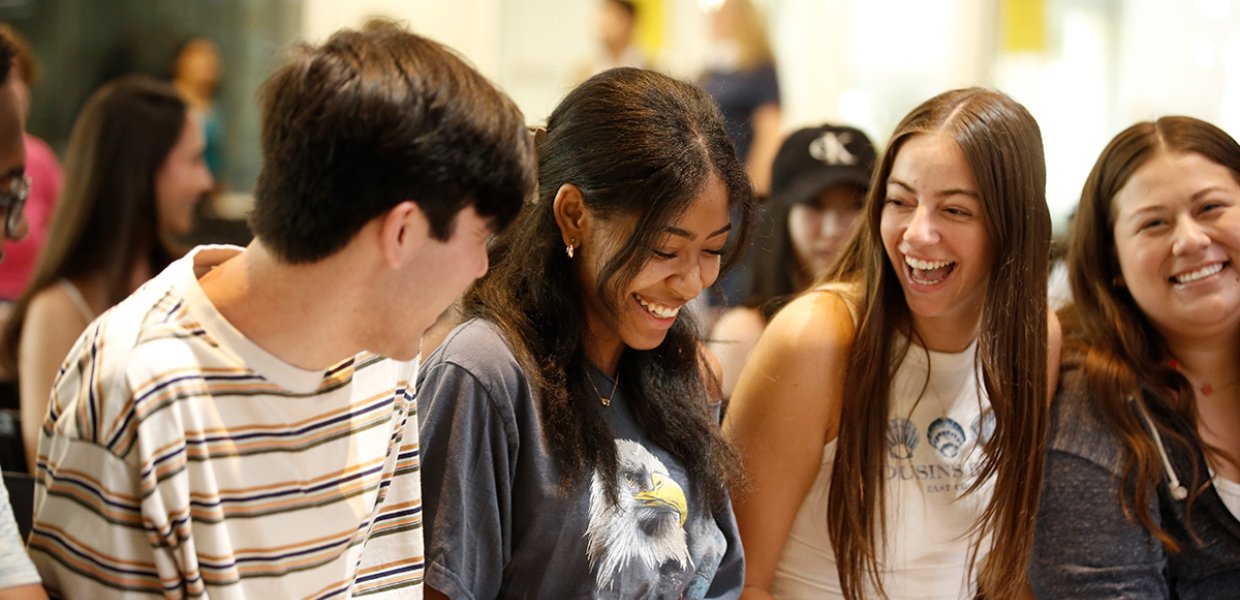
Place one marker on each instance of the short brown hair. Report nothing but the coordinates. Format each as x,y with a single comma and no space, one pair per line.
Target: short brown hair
373,118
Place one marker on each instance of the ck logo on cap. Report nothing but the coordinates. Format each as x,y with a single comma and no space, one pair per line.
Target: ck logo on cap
830,148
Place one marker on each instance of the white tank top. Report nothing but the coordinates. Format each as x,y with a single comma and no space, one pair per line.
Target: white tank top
932,458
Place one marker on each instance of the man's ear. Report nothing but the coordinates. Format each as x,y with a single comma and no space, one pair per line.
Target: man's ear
571,214
403,231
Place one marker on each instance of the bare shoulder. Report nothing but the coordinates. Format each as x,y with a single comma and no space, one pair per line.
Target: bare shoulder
53,313
1054,334
1054,353
815,323
53,302
795,376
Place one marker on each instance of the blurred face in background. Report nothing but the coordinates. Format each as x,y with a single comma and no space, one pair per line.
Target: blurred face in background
615,25
182,181
199,64
819,227
12,152
723,21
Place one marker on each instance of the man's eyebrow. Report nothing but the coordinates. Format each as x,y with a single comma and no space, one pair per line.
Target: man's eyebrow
676,231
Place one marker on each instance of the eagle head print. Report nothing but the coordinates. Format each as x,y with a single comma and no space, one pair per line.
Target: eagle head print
644,529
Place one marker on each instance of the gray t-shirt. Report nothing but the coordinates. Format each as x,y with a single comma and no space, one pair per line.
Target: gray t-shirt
496,523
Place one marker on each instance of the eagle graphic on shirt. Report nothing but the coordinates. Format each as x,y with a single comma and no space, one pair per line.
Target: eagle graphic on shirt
642,538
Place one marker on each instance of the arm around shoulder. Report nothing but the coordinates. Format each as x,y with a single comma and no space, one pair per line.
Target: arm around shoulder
785,409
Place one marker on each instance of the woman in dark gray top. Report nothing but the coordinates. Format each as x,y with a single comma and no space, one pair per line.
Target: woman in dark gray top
1140,495
570,427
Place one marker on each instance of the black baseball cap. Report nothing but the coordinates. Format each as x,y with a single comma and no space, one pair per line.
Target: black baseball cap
818,158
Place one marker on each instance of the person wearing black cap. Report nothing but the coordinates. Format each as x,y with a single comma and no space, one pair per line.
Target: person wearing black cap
818,182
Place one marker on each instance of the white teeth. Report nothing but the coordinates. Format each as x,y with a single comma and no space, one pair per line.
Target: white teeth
658,310
1201,273
926,265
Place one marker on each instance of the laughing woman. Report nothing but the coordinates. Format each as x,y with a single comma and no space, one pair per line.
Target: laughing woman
569,426
1142,492
892,419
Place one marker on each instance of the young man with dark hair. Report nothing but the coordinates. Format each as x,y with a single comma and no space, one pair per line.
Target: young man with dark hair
234,428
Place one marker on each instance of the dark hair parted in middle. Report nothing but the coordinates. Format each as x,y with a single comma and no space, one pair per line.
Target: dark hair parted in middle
381,117
1002,145
1122,353
639,146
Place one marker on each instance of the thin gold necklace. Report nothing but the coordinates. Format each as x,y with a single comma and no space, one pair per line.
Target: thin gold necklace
606,400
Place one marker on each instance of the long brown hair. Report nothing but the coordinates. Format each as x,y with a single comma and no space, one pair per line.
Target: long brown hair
106,220
1003,147
1121,353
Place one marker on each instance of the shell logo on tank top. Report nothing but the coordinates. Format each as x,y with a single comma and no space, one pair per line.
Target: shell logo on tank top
948,461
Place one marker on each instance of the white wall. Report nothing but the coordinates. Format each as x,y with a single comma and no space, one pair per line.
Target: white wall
866,63
1107,63
1180,58
545,46
472,27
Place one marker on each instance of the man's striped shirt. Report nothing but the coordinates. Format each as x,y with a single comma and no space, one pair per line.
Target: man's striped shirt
180,459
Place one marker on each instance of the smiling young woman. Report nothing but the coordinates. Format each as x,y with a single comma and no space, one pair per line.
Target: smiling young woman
892,417
1142,489
570,424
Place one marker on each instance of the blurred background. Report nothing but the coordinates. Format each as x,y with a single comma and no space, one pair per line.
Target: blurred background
1085,68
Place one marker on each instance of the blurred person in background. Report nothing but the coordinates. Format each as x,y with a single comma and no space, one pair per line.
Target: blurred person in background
818,185
741,77
196,77
44,172
134,173
616,28
18,578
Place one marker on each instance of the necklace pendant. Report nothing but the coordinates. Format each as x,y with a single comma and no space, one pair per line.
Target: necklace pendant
605,401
